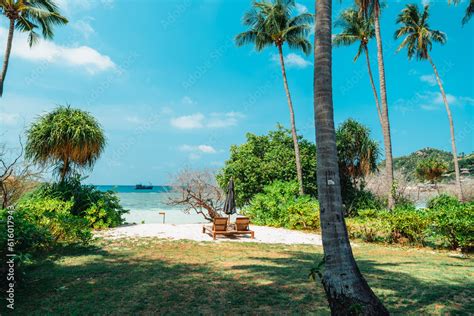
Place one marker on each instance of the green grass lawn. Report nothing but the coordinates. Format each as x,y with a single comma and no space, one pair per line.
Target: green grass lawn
149,276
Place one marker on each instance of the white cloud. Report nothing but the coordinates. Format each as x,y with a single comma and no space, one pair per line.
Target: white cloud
300,8
431,101
425,2
429,79
188,121
293,60
205,149
213,120
84,27
73,6
45,51
9,119
466,100
187,100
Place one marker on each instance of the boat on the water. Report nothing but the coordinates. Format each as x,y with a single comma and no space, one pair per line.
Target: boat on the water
143,187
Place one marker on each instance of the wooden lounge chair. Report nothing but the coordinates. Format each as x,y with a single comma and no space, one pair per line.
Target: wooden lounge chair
220,227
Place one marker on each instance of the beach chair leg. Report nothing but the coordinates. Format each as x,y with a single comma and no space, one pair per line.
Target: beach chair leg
203,230
252,235
214,236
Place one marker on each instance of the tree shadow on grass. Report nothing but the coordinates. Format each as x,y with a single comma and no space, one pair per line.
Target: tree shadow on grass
94,281
403,292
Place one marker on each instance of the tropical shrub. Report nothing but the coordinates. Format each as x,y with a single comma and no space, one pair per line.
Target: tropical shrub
356,200
407,224
55,216
453,221
265,159
101,209
280,206
368,226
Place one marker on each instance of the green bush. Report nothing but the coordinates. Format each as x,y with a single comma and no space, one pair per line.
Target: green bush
368,226
453,221
56,217
356,200
101,209
280,206
406,223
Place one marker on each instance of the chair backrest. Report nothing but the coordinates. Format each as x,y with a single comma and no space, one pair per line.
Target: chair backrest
242,223
220,224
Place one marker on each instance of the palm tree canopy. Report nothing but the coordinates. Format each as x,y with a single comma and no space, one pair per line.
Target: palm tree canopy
419,37
272,23
355,28
469,10
65,134
33,14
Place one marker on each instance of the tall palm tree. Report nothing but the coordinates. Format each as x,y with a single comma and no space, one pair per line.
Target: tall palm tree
418,41
271,23
372,8
346,289
66,138
357,29
27,16
469,10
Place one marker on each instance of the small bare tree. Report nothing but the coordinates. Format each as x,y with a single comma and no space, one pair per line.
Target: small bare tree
197,190
16,176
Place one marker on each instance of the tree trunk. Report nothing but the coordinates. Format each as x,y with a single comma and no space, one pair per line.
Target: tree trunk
299,171
451,129
371,77
387,139
346,289
64,170
8,50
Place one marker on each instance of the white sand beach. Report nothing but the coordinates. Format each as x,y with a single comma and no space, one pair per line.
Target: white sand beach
263,234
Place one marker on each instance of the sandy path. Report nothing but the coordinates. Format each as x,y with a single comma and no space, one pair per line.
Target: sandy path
263,234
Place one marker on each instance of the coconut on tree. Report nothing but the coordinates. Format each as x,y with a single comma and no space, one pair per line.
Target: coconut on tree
418,40
272,24
372,9
28,16
67,139
346,289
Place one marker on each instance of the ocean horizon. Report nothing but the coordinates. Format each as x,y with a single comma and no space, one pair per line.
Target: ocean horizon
147,206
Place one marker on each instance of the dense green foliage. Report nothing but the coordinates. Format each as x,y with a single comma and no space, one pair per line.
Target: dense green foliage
431,169
279,205
453,221
101,209
66,138
265,159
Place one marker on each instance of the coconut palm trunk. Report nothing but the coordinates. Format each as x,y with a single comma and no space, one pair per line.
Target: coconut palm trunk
345,287
387,138
451,129
299,170
8,50
374,90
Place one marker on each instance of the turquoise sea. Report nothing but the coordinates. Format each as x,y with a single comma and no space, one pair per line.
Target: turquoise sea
146,205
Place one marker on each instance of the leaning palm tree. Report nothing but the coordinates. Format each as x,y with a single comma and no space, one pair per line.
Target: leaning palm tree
469,10
27,16
346,289
372,9
66,138
358,29
271,23
418,41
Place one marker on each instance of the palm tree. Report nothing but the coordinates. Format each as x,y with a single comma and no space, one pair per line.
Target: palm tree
66,138
346,289
419,38
27,16
469,10
372,8
271,23
356,28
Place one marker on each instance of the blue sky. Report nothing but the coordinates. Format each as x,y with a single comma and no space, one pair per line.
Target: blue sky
171,89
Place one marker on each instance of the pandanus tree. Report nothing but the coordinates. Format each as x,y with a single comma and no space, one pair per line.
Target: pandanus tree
418,40
67,139
28,16
372,9
272,24
356,28
346,289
